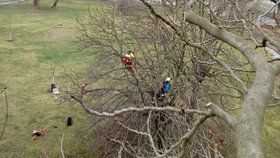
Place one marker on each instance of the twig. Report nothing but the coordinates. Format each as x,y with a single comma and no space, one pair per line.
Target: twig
268,11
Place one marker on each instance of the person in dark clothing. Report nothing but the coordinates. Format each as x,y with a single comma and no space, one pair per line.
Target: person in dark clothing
69,121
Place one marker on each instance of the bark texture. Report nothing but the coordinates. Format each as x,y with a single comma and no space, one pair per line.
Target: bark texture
248,134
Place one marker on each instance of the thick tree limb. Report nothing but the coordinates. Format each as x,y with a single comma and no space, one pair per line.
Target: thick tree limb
216,110
134,109
232,39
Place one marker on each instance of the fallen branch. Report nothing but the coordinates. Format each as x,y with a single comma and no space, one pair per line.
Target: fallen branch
61,146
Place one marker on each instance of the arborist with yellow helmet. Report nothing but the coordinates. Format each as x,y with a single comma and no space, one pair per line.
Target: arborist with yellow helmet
128,60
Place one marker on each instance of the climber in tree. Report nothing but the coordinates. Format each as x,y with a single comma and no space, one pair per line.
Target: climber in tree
128,60
166,85
37,134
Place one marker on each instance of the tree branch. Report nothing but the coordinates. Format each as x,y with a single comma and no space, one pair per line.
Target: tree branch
150,135
230,38
134,109
222,114
120,152
187,136
198,46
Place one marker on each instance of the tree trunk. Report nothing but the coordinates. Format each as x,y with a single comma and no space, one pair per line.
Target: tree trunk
36,4
248,131
54,4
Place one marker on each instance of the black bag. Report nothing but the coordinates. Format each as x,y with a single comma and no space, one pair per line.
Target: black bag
69,121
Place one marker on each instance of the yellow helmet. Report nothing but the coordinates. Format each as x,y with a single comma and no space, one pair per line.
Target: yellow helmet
127,56
168,79
131,55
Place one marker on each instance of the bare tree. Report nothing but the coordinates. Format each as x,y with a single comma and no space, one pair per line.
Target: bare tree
214,52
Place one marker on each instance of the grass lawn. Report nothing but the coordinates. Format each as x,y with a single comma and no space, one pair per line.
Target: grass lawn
26,68
271,132
2,1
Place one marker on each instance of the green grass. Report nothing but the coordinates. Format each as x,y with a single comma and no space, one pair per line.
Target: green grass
26,67
2,1
271,132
